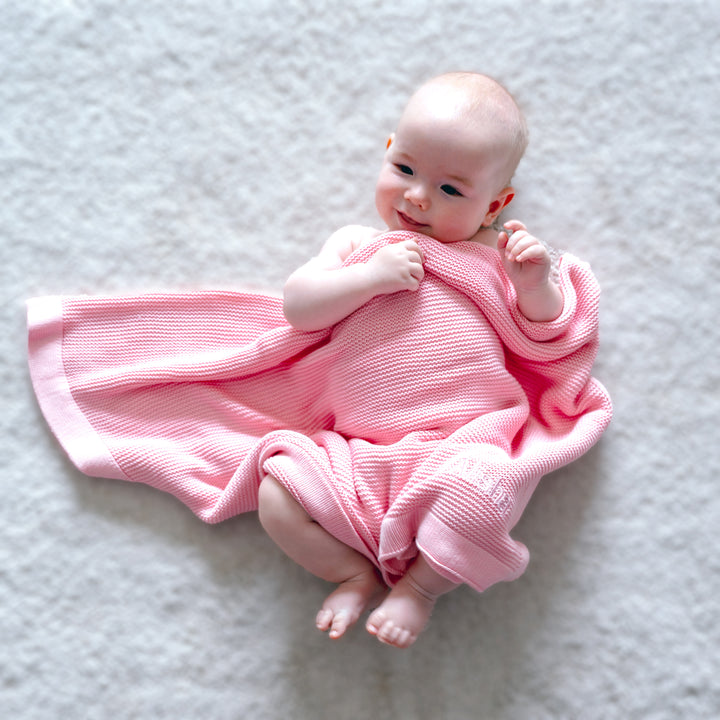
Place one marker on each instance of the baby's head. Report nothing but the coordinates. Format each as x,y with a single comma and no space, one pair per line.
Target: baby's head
448,166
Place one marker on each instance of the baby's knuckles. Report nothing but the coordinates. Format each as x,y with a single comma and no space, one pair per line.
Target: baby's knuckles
391,268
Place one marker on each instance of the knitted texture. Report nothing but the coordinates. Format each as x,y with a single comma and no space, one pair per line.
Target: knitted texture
423,420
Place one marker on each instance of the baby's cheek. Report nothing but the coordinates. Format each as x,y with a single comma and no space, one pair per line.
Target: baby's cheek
384,195
456,228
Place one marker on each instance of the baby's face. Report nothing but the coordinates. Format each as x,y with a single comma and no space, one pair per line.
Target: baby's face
439,175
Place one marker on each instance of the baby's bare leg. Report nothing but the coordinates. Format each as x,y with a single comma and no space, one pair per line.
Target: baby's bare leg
326,557
406,610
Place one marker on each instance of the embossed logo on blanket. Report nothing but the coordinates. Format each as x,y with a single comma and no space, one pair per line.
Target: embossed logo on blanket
472,470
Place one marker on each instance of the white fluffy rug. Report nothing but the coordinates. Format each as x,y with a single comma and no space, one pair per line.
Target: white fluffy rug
152,145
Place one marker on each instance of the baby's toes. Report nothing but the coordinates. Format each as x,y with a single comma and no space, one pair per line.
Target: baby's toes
340,623
324,618
398,637
337,622
375,622
388,632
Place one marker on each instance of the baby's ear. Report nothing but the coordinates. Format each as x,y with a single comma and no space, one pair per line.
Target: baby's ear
501,201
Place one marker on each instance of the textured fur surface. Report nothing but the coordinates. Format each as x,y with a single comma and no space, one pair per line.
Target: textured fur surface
149,146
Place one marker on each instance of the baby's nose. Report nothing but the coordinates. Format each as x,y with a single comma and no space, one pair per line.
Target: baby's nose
418,195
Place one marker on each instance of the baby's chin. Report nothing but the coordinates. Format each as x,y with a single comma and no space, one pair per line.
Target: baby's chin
400,226
397,223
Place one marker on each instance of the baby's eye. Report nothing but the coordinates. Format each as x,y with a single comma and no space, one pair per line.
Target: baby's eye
450,190
404,169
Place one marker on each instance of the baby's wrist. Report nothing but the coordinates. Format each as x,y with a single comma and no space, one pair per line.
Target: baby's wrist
541,304
548,286
373,278
369,281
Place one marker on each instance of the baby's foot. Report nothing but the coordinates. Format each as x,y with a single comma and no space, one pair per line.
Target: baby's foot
348,601
403,614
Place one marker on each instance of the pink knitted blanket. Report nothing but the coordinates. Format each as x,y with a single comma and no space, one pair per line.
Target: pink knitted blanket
423,420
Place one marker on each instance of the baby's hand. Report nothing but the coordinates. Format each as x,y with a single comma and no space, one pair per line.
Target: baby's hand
396,267
526,260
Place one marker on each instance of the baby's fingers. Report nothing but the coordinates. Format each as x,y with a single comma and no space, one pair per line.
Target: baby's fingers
512,226
415,250
509,229
525,248
516,243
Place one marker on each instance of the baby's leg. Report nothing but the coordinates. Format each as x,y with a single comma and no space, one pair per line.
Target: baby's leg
406,610
326,557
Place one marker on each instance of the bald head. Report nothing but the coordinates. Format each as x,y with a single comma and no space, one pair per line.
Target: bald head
480,102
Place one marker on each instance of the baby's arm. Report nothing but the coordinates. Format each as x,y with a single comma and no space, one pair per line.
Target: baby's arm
527,263
322,292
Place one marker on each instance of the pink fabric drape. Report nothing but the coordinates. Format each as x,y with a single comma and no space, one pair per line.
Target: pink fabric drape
423,420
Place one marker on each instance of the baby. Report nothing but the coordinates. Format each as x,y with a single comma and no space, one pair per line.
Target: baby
446,174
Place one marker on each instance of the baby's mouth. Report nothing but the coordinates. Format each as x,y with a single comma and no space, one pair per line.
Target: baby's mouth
408,222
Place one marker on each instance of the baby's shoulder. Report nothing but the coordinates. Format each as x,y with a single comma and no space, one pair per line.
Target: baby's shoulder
356,235
349,238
